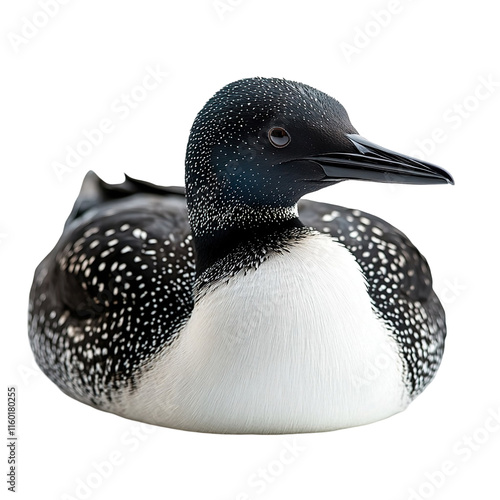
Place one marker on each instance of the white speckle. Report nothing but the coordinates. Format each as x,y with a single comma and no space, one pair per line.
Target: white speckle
90,232
139,233
330,217
63,318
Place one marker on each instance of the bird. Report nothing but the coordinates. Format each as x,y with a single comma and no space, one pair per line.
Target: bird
233,305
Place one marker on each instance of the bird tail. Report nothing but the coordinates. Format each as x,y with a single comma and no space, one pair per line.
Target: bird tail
95,191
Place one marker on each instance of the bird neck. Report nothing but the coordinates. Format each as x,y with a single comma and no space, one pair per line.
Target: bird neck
222,219
219,230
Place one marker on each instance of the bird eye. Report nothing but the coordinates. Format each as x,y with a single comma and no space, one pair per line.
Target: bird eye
279,137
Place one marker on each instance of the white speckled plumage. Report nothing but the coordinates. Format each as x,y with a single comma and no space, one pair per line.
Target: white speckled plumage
234,307
282,348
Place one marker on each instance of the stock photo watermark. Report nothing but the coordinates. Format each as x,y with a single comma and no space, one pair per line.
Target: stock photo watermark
224,7
454,116
366,32
266,475
462,451
121,108
451,289
32,25
12,438
376,367
102,470
28,372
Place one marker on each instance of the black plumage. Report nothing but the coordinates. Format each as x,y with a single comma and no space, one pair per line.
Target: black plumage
111,312
133,259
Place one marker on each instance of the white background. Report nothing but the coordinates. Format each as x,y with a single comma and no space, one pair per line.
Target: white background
415,84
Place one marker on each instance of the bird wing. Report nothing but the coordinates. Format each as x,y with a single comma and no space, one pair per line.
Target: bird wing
115,289
399,283
94,305
380,249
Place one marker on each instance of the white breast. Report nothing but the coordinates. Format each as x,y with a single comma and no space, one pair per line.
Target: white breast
293,346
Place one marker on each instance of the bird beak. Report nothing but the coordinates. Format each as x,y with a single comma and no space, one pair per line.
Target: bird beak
375,163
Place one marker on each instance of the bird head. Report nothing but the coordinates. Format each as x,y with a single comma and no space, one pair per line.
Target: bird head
266,142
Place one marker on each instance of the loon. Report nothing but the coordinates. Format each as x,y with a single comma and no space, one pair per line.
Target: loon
234,306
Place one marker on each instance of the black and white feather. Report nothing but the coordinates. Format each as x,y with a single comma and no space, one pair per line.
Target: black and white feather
228,311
